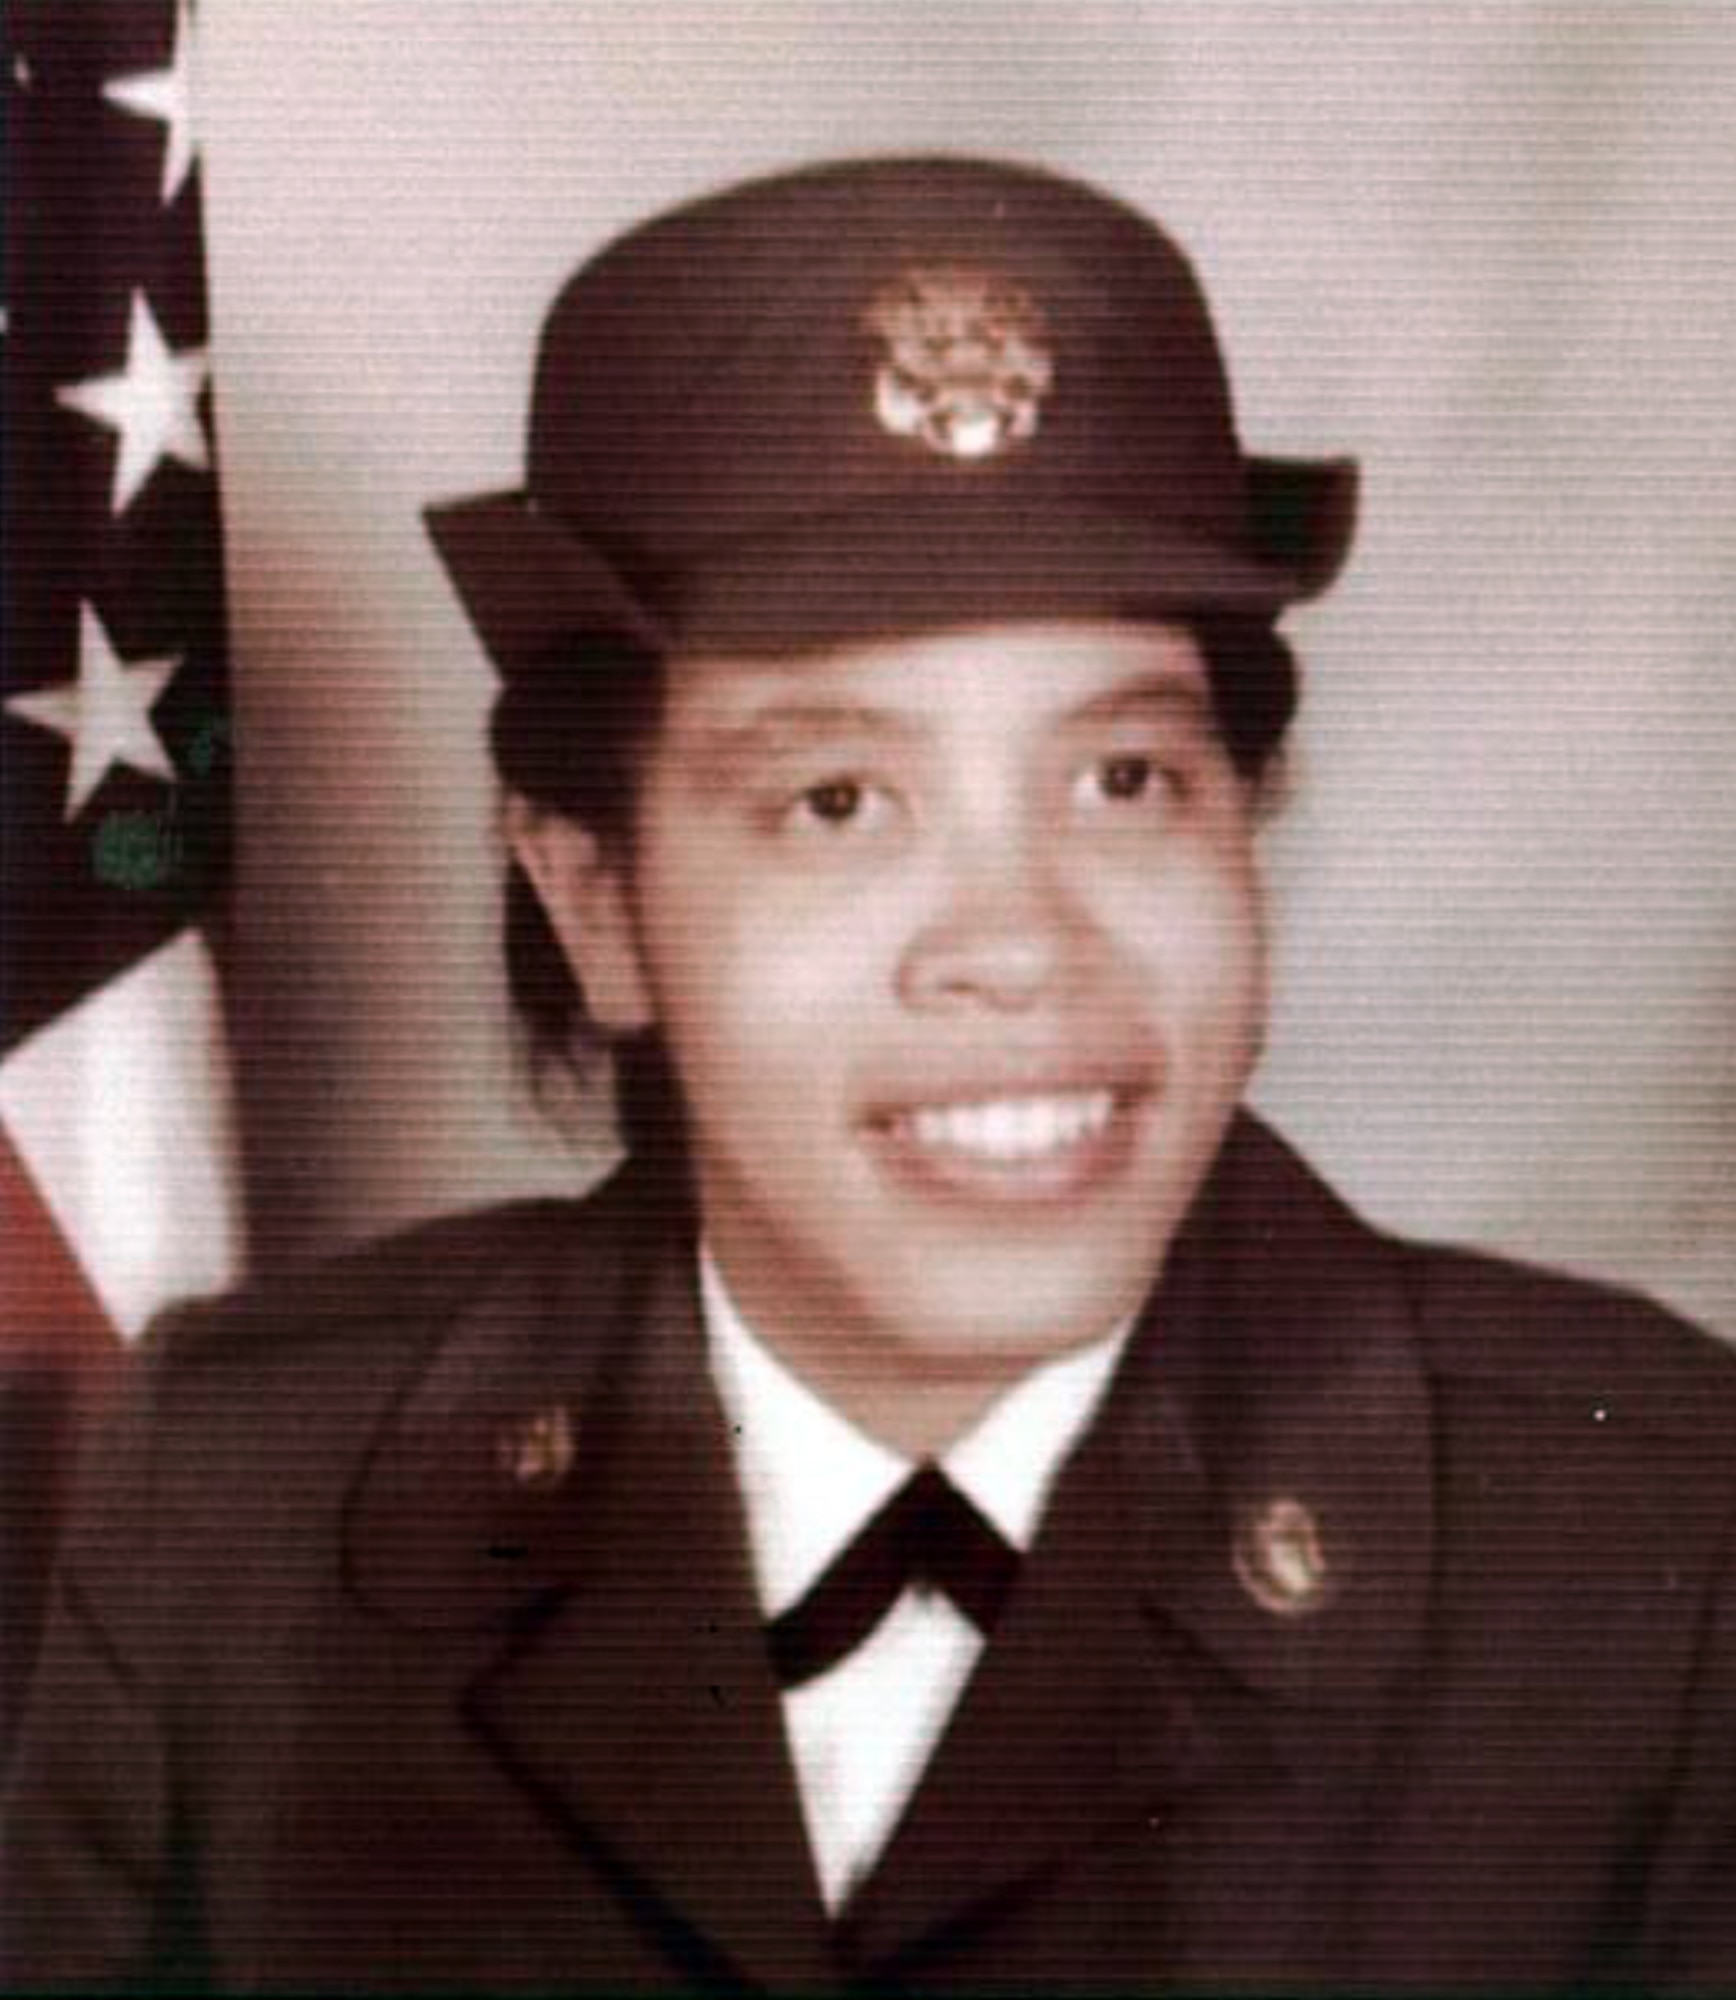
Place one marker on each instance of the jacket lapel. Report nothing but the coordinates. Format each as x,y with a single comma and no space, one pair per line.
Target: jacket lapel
581,1513
1233,1566
1073,1722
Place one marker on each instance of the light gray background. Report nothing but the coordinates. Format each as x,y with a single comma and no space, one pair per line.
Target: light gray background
1489,248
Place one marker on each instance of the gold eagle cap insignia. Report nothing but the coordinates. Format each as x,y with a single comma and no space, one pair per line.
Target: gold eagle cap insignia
965,361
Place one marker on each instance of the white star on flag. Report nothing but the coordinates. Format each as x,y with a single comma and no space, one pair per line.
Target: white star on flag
120,1188
153,404
166,94
105,714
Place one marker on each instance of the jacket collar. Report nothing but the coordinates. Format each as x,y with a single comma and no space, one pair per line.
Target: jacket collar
1234,1564
1238,1551
1275,1435
472,1503
554,1499
1270,1428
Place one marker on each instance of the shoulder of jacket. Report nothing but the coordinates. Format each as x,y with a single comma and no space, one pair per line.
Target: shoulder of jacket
375,1295
231,1399
1579,1345
1541,1343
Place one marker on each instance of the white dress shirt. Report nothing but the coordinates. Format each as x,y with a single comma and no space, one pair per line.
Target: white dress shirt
861,1733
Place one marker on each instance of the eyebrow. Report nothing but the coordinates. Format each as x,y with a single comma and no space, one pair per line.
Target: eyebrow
785,726
787,729
789,725
1149,694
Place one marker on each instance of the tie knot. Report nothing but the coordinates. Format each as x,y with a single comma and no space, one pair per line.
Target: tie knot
924,1515
927,1533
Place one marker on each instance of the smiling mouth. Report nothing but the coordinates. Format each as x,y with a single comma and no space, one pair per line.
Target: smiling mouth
1019,1149
1009,1130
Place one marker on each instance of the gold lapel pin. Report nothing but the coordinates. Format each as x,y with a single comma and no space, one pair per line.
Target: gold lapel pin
1279,1560
536,1451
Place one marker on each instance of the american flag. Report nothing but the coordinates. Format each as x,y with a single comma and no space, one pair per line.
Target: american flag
116,1183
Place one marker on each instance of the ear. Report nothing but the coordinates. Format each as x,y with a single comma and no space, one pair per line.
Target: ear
584,894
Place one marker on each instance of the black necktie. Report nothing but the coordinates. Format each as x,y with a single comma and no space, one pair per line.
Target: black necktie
928,1532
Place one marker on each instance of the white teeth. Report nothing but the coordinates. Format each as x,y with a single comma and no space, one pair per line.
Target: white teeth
1013,1128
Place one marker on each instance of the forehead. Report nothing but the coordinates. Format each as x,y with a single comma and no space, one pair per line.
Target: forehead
1018,673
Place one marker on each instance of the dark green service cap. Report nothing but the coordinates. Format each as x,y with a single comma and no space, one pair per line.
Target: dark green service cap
881,396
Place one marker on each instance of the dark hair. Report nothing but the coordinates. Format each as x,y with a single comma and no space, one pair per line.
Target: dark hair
570,735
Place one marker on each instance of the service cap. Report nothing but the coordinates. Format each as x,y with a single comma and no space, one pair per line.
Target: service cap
883,395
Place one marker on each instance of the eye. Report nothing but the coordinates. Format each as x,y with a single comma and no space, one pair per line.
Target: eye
833,802
841,804
1128,777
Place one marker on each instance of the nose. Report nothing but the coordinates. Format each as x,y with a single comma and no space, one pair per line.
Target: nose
1004,937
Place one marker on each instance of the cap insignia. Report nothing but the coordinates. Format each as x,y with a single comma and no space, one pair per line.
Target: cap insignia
1279,1560
965,362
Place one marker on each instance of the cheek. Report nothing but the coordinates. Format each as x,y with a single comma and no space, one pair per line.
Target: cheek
1194,937
744,984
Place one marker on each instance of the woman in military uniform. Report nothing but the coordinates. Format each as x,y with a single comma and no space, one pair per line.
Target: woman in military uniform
963,1508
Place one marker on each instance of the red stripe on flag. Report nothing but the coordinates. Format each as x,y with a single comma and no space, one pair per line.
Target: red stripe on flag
61,1357
48,1311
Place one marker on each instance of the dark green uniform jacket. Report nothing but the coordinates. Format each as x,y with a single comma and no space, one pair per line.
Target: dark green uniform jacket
1380,1634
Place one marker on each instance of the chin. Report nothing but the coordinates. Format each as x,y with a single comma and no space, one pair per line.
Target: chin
1005,1312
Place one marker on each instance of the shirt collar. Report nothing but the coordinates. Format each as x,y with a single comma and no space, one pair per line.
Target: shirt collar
810,1478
